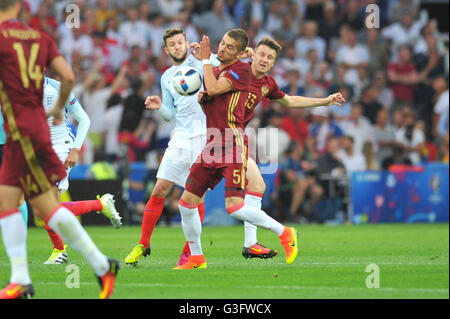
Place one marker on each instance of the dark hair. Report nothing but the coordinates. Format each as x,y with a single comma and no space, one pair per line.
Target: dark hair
240,36
271,43
7,4
113,100
172,32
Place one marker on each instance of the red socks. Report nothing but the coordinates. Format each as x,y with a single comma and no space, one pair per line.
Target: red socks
77,208
152,212
84,207
57,241
201,212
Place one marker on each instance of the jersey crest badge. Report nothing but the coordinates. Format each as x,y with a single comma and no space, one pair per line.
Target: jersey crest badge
264,90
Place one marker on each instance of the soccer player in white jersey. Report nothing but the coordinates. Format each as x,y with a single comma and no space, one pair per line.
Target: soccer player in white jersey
67,146
186,143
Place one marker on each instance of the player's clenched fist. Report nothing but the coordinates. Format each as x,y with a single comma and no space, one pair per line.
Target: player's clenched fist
335,99
202,97
153,102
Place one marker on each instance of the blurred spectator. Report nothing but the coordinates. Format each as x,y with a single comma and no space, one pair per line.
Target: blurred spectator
88,20
370,104
385,95
170,8
184,20
45,21
270,147
94,98
134,30
378,52
289,63
314,9
274,17
358,127
329,162
352,15
111,122
353,160
398,157
80,42
440,109
352,55
384,136
137,139
310,40
156,26
429,31
429,66
296,125
399,7
340,82
313,87
116,43
404,32
103,13
215,23
369,154
403,76
293,86
300,188
329,25
410,136
363,82
322,129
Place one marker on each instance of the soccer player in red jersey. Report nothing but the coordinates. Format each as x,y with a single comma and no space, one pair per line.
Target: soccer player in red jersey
264,86
30,166
225,154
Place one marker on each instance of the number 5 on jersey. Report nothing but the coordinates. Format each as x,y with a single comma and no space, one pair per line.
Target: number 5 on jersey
29,69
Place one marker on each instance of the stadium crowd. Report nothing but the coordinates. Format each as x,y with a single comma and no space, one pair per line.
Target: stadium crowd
394,78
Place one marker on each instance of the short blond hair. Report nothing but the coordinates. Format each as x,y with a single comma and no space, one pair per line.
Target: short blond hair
172,32
271,43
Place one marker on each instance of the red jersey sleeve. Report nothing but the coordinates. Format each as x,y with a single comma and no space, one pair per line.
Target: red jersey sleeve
239,75
52,51
275,92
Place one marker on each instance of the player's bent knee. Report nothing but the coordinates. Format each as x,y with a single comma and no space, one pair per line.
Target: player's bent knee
256,186
233,202
162,188
190,199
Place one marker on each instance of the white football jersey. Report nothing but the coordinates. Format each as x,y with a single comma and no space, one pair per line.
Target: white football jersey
190,121
59,134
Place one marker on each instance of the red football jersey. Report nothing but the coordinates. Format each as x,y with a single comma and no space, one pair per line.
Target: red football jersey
226,111
24,53
259,89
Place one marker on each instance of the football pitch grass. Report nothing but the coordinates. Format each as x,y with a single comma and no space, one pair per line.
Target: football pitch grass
413,262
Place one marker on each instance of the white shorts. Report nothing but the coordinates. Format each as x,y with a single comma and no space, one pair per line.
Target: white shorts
177,160
63,150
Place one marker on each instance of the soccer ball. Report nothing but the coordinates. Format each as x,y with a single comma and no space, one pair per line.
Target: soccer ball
187,81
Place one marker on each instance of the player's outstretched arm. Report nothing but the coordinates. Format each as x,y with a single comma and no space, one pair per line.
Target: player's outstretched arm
60,66
302,102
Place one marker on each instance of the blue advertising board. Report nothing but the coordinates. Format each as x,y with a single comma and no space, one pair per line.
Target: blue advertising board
407,195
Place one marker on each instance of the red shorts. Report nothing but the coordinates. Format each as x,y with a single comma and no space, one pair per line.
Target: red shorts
208,170
31,164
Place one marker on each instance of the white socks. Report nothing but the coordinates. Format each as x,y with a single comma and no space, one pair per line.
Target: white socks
249,229
192,227
14,232
67,226
258,218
